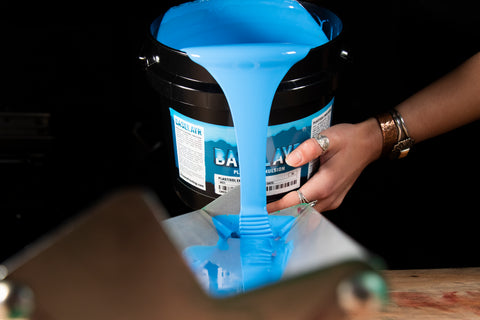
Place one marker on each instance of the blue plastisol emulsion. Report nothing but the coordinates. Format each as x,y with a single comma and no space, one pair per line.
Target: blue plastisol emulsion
248,46
236,264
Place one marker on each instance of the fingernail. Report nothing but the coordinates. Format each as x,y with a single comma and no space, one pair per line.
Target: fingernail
293,158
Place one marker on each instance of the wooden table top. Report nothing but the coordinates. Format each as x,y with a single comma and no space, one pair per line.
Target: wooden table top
433,294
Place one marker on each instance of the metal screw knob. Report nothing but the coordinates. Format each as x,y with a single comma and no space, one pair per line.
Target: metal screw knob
16,301
362,294
344,55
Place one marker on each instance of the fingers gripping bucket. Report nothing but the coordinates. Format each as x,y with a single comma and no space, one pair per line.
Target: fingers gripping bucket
198,126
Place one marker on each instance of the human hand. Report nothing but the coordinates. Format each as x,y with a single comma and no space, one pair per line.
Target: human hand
352,148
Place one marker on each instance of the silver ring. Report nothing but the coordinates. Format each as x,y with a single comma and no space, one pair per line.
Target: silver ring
305,200
323,142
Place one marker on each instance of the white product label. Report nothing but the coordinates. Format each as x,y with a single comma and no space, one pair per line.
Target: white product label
276,184
206,154
283,182
223,184
190,142
320,123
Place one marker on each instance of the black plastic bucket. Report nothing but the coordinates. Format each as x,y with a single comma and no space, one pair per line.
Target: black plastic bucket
205,167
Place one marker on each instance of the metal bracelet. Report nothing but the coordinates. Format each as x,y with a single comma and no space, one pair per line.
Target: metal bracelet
402,128
396,139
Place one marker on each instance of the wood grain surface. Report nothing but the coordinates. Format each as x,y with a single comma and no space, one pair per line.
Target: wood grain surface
433,294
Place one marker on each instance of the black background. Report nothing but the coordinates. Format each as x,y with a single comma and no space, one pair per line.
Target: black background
78,63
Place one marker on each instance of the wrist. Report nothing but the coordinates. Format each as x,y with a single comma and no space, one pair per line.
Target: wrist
372,136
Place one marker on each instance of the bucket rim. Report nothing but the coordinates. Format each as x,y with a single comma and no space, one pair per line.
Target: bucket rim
155,24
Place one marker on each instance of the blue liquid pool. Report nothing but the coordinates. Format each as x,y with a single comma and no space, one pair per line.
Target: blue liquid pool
248,46
238,264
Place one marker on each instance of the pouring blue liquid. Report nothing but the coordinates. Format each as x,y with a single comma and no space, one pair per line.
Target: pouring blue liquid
248,46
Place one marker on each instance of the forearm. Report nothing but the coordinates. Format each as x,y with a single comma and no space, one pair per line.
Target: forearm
448,103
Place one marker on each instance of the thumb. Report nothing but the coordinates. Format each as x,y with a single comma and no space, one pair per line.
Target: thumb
304,153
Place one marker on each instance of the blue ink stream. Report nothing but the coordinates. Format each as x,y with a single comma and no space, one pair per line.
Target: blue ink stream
248,46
